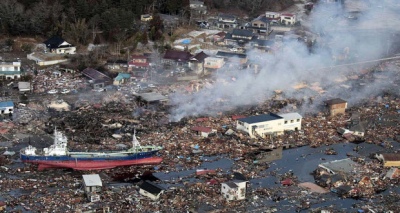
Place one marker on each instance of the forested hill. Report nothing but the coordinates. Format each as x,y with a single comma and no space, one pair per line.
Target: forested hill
77,19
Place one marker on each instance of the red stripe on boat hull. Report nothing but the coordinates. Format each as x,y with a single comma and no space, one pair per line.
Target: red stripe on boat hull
95,165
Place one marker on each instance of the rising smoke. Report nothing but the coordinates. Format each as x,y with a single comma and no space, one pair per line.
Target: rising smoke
339,34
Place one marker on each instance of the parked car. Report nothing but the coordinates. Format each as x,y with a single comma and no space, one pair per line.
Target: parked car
53,91
65,91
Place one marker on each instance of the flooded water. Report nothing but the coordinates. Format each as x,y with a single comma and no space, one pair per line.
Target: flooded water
302,162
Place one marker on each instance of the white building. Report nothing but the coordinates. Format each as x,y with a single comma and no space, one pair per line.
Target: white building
269,124
6,107
291,121
288,18
272,15
10,70
151,190
234,190
92,184
213,62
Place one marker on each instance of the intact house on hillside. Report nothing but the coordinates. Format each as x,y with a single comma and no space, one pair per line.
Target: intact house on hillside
234,190
212,64
146,17
10,70
96,78
197,63
239,37
269,124
226,21
260,26
288,19
197,9
273,17
336,106
58,45
138,62
151,190
117,64
233,58
176,58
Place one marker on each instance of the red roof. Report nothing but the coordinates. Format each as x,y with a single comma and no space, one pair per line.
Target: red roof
131,63
139,57
235,117
287,182
202,129
201,119
287,14
221,34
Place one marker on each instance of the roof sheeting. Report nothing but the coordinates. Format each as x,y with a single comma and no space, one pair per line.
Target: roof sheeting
260,118
152,96
335,101
151,187
177,55
5,104
201,129
345,165
291,116
95,75
92,180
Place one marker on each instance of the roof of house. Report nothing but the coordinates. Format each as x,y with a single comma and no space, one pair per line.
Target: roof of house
226,16
344,165
391,156
199,56
335,101
177,55
117,61
231,184
260,118
196,2
239,176
92,180
358,127
6,104
54,42
121,76
231,54
220,34
201,129
287,14
262,18
152,96
264,43
151,187
291,116
95,75
139,57
242,32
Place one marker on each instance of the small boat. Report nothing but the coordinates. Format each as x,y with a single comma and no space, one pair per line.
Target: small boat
58,156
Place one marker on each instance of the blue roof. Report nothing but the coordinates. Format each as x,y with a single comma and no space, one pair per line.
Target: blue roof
122,76
260,118
6,104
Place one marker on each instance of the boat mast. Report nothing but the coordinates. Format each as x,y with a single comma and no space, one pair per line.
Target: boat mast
135,142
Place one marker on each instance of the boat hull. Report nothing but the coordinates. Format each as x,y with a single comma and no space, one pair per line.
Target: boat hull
94,165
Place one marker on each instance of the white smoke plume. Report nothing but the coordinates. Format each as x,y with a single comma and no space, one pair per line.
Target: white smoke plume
342,33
